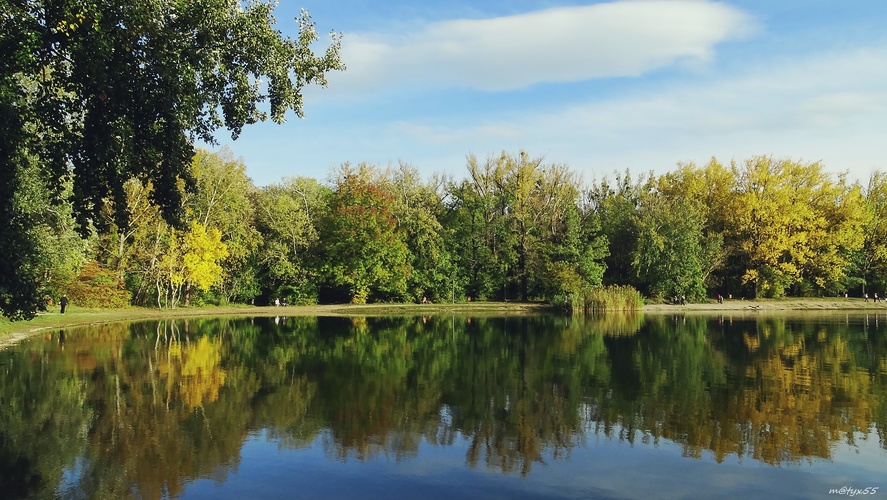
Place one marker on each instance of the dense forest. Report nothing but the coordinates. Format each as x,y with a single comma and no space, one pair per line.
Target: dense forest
514,228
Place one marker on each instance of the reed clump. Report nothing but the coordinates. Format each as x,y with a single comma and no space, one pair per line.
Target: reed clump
609,298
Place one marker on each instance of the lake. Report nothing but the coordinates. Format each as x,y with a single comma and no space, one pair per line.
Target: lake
617,406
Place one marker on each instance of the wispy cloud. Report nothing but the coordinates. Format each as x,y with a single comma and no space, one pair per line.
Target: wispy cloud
826,107
568,44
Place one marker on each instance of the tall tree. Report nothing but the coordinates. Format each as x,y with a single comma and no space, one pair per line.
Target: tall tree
519,231
871,259
794,226
481,242
366,256
670,253
43,247
417,208
706,190
287,215
101,91
222,201
135,250
616,206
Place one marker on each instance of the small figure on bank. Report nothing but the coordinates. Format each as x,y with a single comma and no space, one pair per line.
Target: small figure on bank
720,299
424,300
866,297
277,302
683,299
64,303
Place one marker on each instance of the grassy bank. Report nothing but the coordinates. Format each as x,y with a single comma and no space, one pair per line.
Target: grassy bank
12,331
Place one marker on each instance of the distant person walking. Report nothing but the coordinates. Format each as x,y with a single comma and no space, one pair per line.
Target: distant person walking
64,303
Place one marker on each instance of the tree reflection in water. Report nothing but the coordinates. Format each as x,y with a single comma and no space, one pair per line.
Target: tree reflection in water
142,409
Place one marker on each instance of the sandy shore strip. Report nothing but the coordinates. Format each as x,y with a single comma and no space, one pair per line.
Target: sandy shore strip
805,304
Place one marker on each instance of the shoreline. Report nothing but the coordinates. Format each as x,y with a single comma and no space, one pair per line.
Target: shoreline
773,305
13,332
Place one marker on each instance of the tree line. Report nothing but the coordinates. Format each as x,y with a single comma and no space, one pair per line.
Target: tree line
105,197
514,228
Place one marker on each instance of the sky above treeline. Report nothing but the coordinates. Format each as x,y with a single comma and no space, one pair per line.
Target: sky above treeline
599,86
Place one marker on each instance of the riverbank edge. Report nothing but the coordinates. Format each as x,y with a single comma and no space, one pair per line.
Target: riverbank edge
13,332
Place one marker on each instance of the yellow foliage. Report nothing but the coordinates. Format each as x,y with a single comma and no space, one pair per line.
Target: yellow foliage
792,221
203,252
194,371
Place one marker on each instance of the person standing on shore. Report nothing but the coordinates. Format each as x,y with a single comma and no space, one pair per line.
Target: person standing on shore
64,303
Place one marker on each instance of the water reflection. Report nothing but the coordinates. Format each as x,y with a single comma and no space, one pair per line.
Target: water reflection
143,409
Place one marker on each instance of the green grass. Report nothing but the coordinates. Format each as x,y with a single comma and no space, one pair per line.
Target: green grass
78,316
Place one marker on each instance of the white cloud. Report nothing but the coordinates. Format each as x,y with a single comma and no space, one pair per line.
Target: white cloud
456,135
568,44
828,107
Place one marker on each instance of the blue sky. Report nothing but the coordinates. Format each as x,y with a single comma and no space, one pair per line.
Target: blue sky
599,86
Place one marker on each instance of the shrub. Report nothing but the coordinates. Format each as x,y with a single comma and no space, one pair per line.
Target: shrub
97,286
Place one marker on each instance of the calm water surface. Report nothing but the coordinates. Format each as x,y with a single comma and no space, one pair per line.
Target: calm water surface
542,407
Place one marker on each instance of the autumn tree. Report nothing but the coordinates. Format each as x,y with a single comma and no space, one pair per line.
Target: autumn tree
708,190
366,256
794,226
222,201
135,251
871,259
189,259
